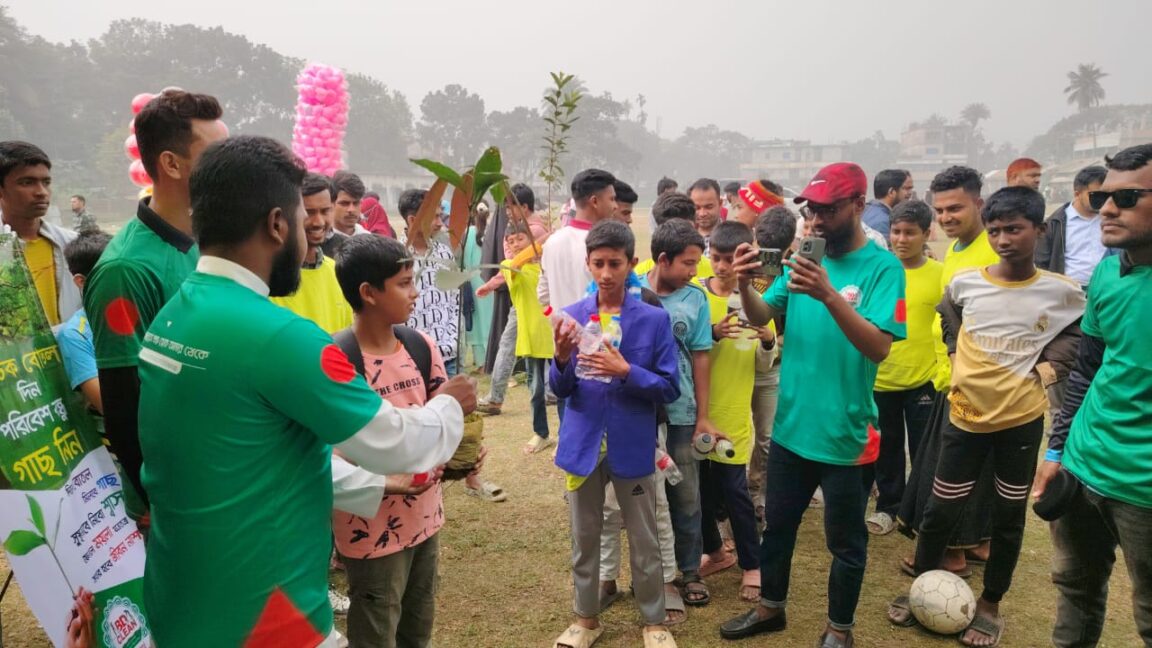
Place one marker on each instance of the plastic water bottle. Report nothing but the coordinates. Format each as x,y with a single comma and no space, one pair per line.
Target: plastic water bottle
702,445
664,464
591,341
558,316
725,448
613,333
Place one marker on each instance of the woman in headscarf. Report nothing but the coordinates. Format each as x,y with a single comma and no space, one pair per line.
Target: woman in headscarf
374,216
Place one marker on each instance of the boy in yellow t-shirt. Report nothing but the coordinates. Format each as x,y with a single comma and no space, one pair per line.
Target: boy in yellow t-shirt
904,392
723,479
533,332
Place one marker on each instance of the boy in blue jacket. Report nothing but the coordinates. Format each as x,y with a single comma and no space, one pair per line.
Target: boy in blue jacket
609,433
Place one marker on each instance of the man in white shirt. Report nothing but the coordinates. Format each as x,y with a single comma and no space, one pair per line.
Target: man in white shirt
1071,243
564,276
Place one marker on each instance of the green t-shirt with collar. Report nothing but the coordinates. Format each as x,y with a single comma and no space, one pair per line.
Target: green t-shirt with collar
240,402
826,410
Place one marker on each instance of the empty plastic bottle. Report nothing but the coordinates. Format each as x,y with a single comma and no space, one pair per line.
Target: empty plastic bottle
702,445
591,341
671,471
724,448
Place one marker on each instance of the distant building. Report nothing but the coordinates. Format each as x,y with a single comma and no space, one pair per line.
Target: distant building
929,147
791,163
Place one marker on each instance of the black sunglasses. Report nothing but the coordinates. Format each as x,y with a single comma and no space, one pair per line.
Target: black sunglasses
1124,198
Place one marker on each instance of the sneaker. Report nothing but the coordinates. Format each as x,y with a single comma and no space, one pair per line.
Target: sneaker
339,602
485,406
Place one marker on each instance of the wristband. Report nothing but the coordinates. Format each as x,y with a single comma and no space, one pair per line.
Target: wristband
1053,455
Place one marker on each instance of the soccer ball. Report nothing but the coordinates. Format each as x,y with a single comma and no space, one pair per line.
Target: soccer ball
942,602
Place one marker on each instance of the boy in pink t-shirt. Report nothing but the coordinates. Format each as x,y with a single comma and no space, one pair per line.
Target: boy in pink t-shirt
391,558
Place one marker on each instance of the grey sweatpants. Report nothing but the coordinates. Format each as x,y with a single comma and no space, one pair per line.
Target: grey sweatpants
637,499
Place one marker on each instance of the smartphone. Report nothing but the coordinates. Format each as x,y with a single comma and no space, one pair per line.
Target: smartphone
812,248
771,262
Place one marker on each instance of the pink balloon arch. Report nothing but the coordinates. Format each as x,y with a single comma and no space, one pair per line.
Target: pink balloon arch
136,170
321,118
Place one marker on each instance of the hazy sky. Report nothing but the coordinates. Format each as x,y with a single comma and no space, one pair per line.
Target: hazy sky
824,70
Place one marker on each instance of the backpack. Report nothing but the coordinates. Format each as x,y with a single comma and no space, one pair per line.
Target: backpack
413,342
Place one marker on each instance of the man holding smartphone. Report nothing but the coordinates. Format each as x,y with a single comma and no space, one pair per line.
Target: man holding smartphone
843,301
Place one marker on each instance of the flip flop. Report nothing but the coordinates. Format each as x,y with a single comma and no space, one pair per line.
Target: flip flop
988,627
900,603
750,579
708,567
880,524
972,559
537,443
673,603
488,492
910,570
658,639
607,599
577,636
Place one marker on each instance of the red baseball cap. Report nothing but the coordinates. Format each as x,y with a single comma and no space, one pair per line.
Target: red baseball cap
835,182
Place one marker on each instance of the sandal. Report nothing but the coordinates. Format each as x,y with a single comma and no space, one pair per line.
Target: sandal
880,524
658,639
577,636
900,604
536,444
910,570
986,626
673,603
708,567
750,581
488,492
696,593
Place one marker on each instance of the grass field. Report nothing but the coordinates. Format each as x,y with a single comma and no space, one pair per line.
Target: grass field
505,570
505,579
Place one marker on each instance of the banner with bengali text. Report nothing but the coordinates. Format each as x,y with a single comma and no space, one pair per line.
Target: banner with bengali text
64,523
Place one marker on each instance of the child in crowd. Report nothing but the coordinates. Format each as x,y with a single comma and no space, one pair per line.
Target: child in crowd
904,392
677,248
609,436
775,229
1011,330
437,311
533,334
723,479
390,559
75,336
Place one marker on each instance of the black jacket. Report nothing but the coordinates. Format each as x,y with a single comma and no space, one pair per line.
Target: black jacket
1050,246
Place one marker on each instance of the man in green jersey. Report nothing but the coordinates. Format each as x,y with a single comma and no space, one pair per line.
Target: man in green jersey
241,402
1102,435
842,314
148,259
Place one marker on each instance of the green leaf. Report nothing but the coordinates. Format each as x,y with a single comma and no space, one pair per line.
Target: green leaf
21,542
499,192
37,514
489,162
441,171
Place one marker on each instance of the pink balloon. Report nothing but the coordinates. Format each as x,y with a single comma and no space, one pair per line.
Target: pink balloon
131,148
141,100
138,175
132,126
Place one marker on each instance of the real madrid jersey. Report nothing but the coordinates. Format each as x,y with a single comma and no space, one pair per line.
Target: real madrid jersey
1005,327
826,410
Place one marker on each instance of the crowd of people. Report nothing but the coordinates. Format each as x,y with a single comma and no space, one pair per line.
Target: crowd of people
259,340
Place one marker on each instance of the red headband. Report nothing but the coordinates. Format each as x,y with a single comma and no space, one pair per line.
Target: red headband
758,197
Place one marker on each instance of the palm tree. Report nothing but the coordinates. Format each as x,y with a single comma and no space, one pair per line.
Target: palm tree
974,113
1084,87
1085,91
